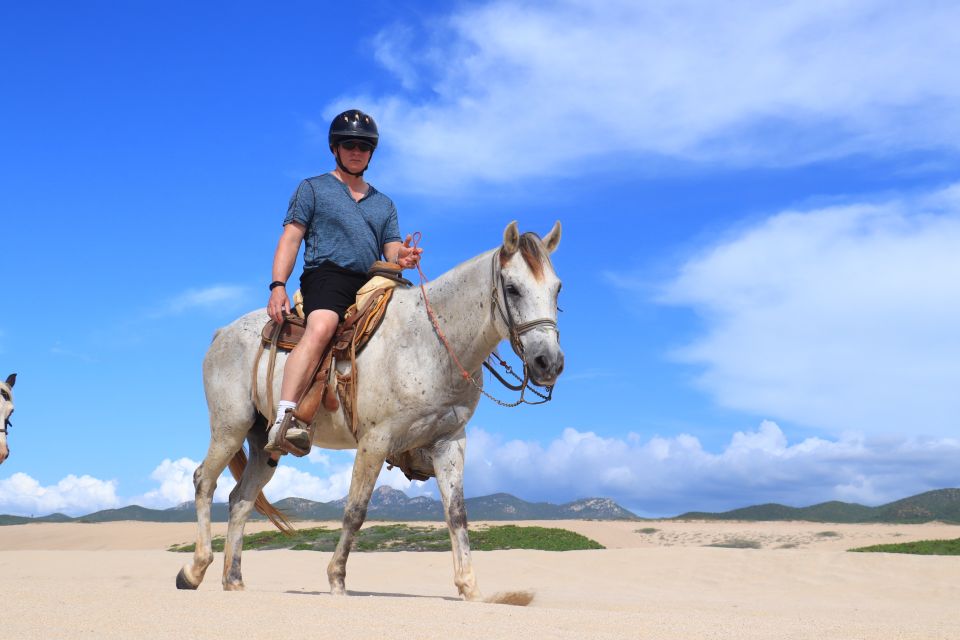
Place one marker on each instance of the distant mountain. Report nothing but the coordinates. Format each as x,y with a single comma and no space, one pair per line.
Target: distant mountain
386,503
53,517
941,504
389,504
503,506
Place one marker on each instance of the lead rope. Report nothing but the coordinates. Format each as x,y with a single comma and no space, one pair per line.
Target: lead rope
463,372
423,290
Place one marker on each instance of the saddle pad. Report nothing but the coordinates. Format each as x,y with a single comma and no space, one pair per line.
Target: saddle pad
374,285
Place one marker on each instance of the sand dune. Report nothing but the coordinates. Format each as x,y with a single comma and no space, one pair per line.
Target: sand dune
654,580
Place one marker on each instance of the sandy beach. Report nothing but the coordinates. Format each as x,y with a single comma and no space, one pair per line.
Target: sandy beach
655,580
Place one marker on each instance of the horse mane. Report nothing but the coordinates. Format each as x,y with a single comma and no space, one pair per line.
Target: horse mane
531,248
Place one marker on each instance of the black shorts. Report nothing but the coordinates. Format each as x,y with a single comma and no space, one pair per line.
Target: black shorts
330,286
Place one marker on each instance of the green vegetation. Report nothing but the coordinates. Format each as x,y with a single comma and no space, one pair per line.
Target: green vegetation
647,530
541,538
828,534
401,537
737,543
921,547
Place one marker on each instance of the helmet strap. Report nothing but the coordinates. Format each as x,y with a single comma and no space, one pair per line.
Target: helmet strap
336,154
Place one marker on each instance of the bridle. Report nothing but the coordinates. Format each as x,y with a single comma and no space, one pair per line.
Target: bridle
514,331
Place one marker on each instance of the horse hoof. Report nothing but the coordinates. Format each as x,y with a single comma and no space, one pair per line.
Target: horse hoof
233,586
183,583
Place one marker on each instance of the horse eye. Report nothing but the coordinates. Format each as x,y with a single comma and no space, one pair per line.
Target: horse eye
6,396
512,290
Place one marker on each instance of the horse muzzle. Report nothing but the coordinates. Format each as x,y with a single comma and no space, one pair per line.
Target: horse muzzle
545,366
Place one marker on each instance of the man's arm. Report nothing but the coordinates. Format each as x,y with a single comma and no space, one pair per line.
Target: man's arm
283,261
402,253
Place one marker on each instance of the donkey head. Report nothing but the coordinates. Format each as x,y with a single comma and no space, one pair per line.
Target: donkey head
530,288
6,409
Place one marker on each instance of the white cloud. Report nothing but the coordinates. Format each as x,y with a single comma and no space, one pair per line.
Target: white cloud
659,476
839,318
176,485
58,350
519,89
224,297
22,495
667,476
334,483
331,483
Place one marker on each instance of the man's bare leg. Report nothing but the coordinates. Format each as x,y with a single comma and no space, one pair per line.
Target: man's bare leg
321,325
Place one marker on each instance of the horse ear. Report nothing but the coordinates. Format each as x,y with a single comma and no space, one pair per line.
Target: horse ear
12,378
511,239
552,239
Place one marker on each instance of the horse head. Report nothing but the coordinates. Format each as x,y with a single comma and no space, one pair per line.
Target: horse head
528,289
6,410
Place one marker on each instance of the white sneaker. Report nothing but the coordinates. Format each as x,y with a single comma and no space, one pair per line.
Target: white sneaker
296,436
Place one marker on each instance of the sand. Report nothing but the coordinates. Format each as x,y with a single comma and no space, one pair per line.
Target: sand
655,580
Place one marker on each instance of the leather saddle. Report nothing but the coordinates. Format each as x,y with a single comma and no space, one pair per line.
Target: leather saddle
360,322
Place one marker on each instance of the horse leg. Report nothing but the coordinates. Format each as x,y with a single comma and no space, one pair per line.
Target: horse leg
205,481
448,457
366,468
255,476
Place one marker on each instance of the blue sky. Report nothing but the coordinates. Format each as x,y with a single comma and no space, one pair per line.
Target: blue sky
761,210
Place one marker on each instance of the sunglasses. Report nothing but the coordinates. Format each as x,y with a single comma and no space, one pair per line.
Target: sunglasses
350,145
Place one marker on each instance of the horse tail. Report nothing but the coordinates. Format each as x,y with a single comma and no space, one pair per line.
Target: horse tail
237,464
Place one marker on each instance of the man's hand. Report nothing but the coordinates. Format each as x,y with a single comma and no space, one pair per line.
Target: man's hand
408,257
278,304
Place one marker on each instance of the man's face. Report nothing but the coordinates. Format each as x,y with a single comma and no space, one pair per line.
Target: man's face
355,154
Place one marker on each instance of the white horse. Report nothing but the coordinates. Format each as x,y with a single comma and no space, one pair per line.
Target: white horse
6,410
412,397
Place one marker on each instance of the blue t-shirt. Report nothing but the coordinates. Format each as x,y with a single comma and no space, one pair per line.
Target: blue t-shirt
340,229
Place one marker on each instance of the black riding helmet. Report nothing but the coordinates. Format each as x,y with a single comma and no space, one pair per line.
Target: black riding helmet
352,125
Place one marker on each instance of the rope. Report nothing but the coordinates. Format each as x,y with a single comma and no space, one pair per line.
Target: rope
417,236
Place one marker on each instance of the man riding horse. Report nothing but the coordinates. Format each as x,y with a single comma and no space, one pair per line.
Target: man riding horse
346,225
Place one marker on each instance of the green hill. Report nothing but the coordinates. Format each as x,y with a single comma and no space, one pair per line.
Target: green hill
941,504
53,517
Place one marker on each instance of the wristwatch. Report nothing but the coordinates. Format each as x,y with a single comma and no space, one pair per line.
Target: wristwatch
277,283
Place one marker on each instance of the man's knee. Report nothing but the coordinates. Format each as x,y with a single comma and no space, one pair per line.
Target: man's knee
321,325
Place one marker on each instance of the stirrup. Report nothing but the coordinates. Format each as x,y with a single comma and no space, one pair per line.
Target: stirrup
299,446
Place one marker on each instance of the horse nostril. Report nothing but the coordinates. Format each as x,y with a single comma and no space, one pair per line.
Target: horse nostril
541,362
